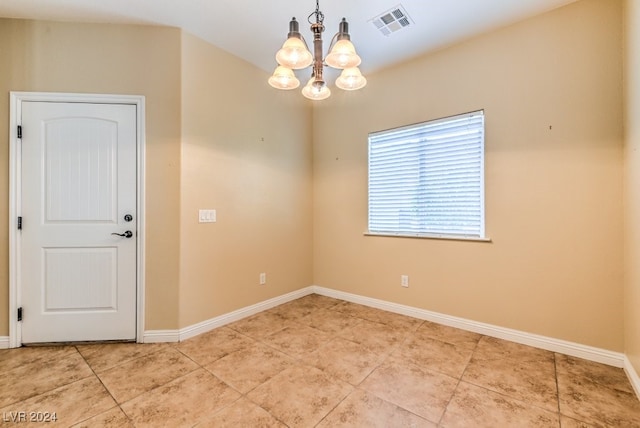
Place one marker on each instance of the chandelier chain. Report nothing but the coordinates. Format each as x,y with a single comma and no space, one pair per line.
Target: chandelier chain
319,15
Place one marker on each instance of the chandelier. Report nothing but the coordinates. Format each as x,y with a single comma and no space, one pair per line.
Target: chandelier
295,55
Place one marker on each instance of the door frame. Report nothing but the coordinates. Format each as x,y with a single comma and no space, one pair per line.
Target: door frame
15,186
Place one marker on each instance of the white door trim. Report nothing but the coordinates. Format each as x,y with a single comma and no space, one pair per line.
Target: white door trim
15,119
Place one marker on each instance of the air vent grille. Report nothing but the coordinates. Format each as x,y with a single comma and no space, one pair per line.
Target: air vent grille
393,20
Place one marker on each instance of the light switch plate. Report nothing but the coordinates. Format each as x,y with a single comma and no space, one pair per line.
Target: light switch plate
207,216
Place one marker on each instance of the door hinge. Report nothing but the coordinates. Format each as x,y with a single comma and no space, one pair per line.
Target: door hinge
20,314
20,131
19,223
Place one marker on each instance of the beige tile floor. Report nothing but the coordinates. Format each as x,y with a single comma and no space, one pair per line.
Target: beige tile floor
315,361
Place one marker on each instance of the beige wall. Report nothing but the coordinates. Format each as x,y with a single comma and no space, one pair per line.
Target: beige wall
632,183
246,152
62,57
551,91
243,150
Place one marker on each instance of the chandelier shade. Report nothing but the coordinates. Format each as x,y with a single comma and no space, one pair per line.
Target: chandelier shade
351,79
295,55
343,55
316,90
284,78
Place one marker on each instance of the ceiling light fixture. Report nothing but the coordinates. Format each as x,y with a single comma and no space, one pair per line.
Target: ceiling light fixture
295,55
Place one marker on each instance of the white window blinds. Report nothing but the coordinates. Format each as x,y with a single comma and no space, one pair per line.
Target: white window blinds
428,179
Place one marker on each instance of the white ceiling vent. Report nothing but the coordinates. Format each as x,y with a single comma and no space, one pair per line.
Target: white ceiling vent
393,20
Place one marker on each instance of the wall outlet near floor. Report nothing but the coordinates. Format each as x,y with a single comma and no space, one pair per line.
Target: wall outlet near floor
263,278
404,280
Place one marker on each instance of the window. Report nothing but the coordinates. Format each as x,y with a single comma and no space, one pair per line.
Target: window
428,179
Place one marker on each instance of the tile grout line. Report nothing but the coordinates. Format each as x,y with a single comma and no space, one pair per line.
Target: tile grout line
260,341
515,398
56,387
335,336
123,362
296,359
30,396
555,373
439,423
382,361
242,395
171,345
395,351
334,407
105,388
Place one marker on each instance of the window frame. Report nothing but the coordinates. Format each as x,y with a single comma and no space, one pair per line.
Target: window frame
481,236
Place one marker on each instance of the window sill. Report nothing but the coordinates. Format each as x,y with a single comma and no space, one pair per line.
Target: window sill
434,236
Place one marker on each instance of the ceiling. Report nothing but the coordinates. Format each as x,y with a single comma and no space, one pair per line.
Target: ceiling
254,30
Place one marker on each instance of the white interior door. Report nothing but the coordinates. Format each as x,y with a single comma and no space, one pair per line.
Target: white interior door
78,190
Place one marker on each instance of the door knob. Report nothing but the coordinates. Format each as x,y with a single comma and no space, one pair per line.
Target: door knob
127,234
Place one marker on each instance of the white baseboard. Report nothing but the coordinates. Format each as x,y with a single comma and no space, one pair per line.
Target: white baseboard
4,342
573,349
156,336
599,355
208,325
632,374
603,356
161,336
